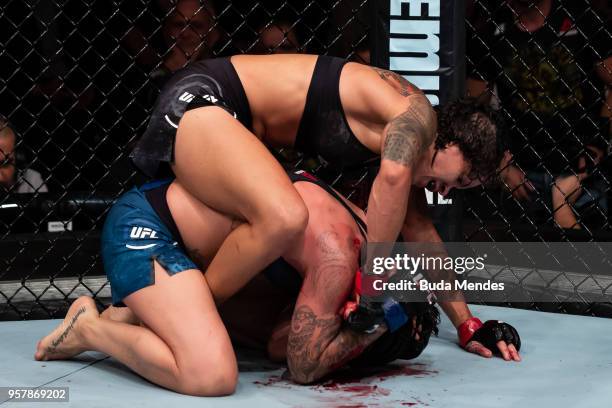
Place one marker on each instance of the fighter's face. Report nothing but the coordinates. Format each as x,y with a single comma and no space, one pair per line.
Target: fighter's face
190,27
448,169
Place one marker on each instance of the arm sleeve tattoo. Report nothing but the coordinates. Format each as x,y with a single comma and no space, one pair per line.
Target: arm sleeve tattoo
410,134
413,131
318,345
309,336
317,341
401,84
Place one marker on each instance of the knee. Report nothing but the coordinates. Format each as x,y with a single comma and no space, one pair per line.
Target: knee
210,380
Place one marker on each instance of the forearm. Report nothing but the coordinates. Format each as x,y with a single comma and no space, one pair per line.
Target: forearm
406,139
457,311
318,345
386,207
424,231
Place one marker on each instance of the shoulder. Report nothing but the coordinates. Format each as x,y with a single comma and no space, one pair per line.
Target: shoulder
374,93
398,82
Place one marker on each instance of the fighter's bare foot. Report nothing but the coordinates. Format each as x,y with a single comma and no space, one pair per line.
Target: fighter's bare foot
66,340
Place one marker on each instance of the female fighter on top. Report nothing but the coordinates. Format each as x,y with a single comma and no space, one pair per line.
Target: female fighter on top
213,119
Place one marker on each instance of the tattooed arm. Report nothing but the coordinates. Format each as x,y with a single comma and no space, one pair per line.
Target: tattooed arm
417,224
398,82
406,137
318,343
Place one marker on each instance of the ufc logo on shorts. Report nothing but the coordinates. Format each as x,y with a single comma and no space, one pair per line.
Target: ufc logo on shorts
186,97
140,232
210,98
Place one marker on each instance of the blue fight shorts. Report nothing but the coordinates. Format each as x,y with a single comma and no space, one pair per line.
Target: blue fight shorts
133,236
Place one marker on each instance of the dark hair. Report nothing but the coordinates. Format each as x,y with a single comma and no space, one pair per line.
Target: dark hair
478,131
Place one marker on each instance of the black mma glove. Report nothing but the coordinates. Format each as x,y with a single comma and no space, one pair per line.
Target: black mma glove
488,334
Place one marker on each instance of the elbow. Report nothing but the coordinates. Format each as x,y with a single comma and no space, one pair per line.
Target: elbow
302,373
302,378
395,175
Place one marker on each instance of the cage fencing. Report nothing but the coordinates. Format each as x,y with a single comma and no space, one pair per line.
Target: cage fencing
79,79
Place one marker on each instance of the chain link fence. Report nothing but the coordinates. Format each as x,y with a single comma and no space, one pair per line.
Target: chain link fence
547,66
79,78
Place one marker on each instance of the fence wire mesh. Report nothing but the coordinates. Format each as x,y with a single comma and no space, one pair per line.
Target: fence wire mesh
546,65
79,78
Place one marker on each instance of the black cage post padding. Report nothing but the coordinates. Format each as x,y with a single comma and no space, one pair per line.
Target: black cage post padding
423,41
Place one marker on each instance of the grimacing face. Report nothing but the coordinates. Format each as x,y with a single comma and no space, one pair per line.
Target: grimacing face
446,170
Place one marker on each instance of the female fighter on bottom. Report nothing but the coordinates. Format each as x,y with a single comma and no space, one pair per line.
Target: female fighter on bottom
149,240
183,344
